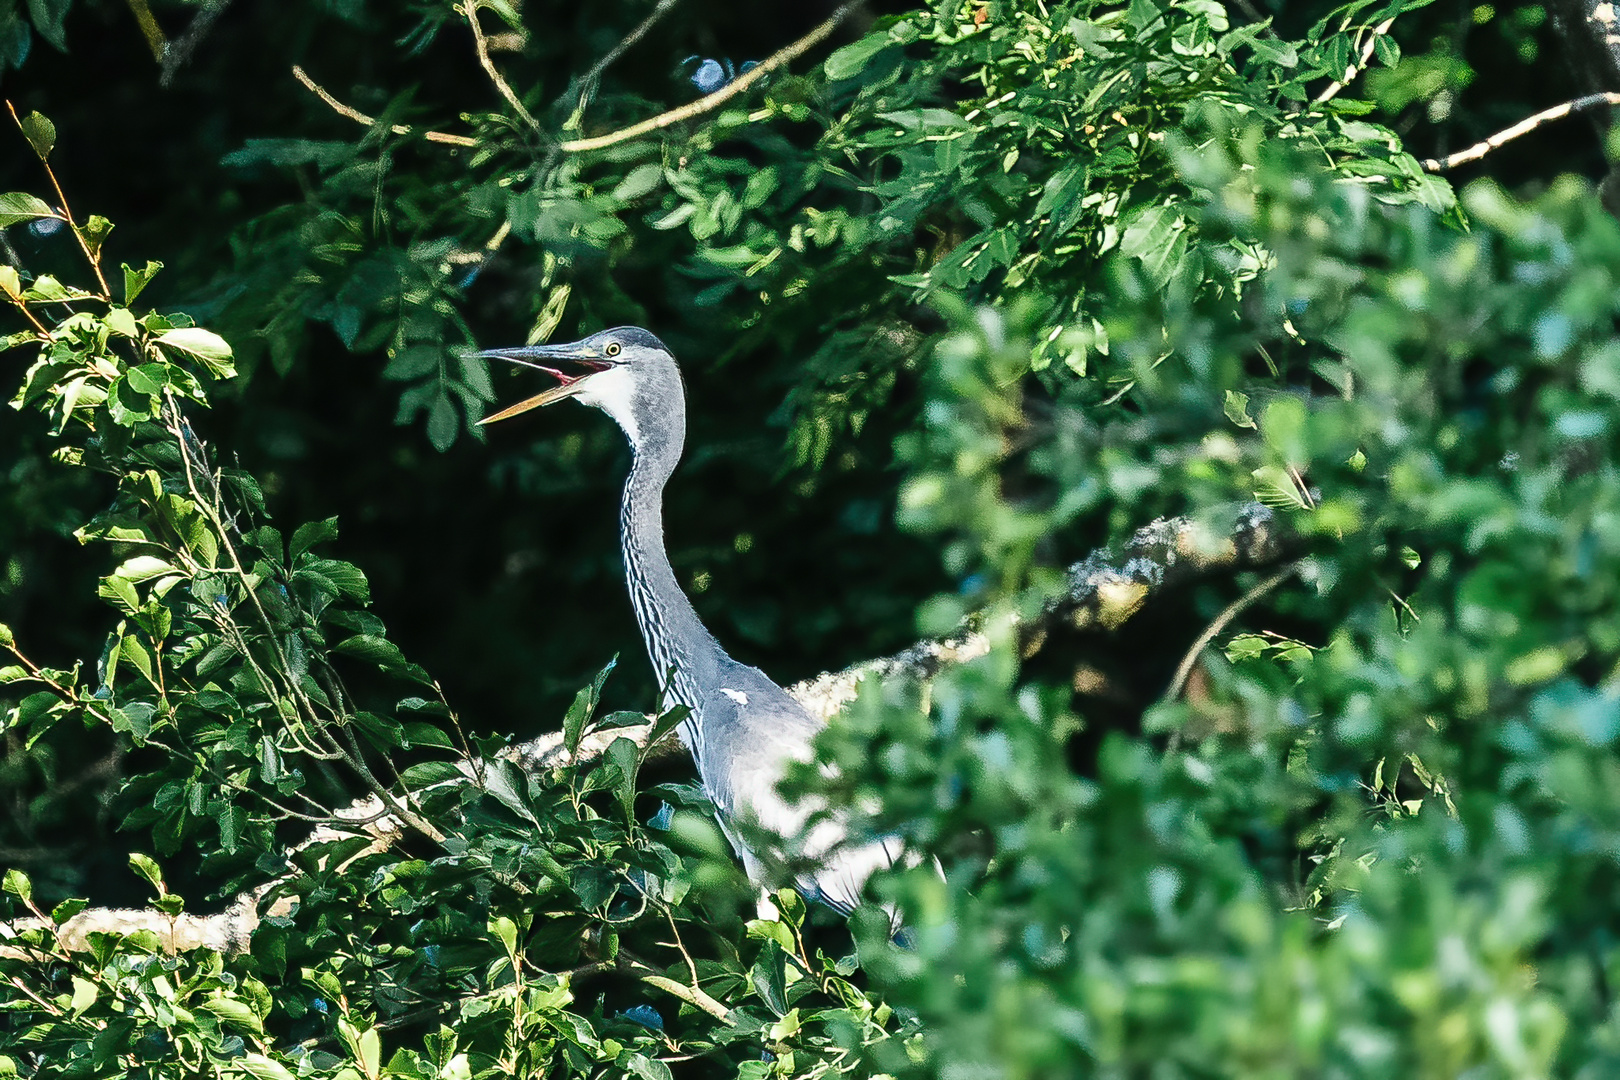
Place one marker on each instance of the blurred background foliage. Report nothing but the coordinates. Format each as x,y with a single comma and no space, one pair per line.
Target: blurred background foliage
974,290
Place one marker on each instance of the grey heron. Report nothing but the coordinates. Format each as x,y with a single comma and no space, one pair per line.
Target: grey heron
742,729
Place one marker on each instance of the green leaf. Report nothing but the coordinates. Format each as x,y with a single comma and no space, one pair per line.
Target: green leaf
624,755
385,731
638,182
429,773
378,650
849,61
574,719
205,345
136,280
505,931
583,707
1245,647
18,206
414,361
36,127
309,534
134,718
84,995
147,868
1275,486
117,591
769,977
262,1068
230,819
120,321
143,568
232,1011
643,1067
18,885
1237,409
421,733
443,424
1157,236
94,232
475,374
64,911
346,578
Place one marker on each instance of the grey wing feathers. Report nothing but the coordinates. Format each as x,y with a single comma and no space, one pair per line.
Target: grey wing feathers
761,730
839,882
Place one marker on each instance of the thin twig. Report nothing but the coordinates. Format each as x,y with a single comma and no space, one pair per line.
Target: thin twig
1523,127
1213,630
93,257
177,53
22,306
787,54
588,80
370,121
1355,69
355,760
692,995
470,10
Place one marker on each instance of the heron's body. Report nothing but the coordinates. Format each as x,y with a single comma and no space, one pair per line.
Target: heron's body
742,730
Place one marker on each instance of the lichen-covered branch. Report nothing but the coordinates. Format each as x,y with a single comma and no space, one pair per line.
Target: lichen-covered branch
1104,591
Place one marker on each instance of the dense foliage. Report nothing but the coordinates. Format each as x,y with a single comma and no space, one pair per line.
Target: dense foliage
1081,265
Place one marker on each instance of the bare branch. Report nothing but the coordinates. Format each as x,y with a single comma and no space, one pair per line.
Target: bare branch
587,81
1523,127
787,54
470,10
177,53
370,121
1220,623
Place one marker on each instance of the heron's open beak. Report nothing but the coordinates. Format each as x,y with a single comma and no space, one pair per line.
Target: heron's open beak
546,358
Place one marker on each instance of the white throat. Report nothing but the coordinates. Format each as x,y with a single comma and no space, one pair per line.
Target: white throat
612,391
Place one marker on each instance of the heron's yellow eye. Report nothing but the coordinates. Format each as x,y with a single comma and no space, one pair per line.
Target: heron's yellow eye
612,349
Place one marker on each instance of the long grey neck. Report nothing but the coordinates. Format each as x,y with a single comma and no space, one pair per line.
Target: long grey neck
682,650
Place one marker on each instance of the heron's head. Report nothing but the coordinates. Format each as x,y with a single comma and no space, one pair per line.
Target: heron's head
625,372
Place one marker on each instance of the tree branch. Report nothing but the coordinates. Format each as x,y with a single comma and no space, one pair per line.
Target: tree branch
1523,127
587,81
785,55
177,53
1104,591
481,43
1221,622
371,121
